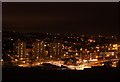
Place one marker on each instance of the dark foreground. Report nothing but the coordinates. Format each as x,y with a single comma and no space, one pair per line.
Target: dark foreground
35,74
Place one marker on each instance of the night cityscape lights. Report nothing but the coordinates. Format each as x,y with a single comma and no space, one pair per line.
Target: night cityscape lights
73,51
60,40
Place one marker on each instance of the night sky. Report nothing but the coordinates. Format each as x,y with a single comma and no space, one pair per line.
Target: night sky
61,17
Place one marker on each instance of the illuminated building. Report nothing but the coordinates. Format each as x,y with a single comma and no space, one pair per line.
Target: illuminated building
118,47
38,48
55,49
113,47
20,48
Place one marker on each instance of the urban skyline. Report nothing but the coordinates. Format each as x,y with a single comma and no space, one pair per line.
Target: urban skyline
79,37
42,47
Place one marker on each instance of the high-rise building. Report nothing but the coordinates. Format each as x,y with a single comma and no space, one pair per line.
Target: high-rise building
38,48
20,48
55,49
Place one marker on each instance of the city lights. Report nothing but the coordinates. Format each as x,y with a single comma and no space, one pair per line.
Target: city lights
1,60
54,41
76,55
16,60
115,45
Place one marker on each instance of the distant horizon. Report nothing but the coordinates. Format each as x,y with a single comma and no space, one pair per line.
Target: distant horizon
63,33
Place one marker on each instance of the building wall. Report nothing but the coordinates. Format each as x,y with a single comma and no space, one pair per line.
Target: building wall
38,49
56,49
20,48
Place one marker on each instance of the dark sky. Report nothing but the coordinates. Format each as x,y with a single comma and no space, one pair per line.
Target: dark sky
76,17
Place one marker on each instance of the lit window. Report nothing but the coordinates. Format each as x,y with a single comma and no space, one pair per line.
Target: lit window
45,45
